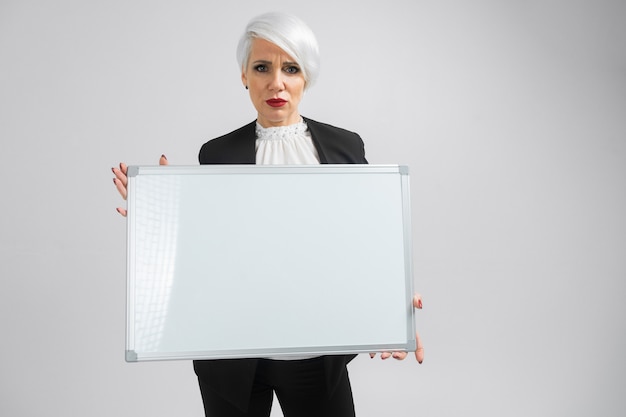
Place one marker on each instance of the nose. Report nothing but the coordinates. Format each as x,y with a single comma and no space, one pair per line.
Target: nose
277,82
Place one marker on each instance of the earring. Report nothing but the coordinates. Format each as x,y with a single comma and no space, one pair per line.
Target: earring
246,87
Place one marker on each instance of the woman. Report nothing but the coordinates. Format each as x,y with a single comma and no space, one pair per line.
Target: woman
279,59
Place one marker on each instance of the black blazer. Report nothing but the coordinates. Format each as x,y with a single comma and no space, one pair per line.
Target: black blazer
233,378
334,146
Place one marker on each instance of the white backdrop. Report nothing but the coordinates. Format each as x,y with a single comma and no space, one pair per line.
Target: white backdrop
511,115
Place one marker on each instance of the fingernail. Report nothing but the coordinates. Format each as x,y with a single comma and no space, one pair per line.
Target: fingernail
163,156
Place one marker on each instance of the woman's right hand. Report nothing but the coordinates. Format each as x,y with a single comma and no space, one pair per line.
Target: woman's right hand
121,181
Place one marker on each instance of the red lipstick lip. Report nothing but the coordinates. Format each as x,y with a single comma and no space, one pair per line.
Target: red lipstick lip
276,102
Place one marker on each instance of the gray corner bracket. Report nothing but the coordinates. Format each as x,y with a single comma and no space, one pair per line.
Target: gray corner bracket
403,169
132,171
131,356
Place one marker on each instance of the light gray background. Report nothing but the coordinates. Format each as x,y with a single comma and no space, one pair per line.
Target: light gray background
511,115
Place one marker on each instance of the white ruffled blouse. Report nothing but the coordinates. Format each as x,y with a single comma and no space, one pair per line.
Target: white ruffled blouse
285,145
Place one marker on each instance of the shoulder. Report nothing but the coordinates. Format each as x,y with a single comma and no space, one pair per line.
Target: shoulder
243,133
325,128
229,147
336,145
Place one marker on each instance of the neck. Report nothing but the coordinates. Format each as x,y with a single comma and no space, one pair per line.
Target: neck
287,122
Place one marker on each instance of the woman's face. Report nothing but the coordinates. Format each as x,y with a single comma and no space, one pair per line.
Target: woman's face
275,83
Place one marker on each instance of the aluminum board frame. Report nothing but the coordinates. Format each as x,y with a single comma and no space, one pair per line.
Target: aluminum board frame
174,311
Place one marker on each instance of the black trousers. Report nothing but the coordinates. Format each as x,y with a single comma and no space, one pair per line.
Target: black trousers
300,387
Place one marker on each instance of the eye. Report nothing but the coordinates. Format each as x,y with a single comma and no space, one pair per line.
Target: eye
260,68
292,69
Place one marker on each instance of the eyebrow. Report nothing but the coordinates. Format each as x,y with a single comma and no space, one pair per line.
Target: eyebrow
265,62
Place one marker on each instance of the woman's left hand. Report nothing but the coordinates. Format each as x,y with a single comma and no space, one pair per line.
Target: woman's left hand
419,352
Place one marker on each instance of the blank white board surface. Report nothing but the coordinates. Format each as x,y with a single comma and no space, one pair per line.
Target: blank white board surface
232,261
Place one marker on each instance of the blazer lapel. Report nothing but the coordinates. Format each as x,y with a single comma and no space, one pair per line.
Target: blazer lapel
316,140
246,145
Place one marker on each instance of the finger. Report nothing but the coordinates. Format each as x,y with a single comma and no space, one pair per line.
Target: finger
419,352
163,160
417,301
399,355
120,174
121,211
121,187
385,355
372,355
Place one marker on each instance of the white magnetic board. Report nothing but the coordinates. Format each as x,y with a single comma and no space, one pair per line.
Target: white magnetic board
231,261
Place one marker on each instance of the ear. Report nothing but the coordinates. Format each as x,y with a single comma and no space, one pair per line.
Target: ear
244,79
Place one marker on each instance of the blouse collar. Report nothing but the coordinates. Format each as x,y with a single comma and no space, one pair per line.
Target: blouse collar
281,132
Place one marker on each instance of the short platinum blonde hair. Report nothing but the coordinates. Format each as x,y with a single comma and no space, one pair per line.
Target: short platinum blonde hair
290,34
